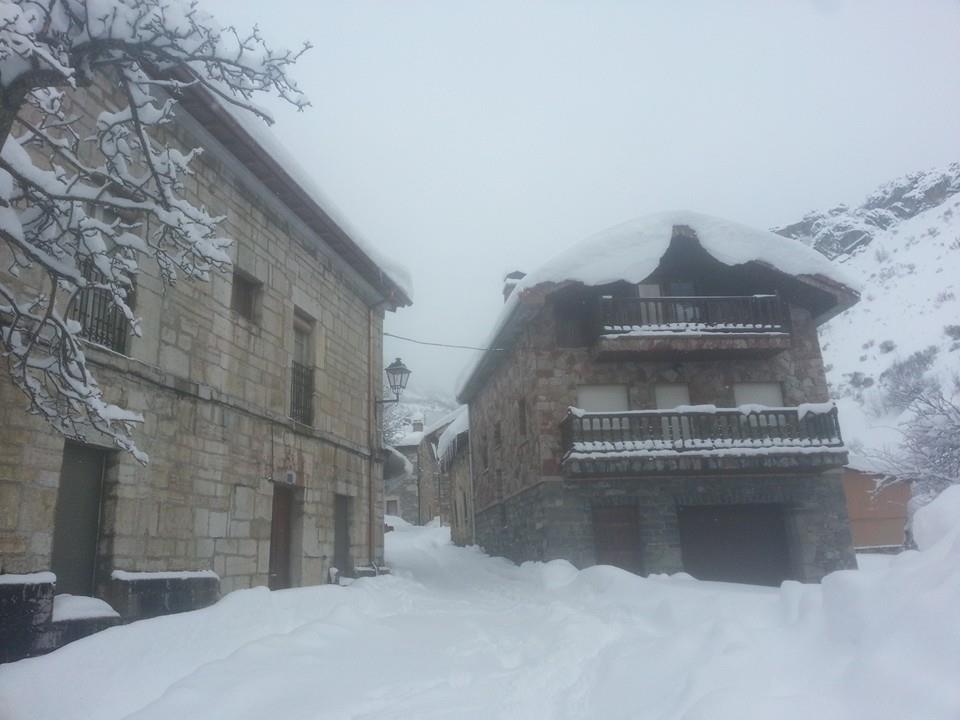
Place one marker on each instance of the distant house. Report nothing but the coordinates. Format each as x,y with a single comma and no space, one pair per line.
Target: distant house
878,517
656,400
418,491
453,450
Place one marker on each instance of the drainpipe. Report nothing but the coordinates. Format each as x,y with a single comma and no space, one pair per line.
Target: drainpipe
371,438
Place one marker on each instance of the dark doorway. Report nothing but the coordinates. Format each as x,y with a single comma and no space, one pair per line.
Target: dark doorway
341,534
735,543
616,537
76,528
281,538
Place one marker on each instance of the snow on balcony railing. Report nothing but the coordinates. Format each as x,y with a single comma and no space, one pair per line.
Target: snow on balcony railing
703,429
692,315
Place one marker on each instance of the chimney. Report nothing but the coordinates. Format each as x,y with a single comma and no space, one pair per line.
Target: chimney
510,282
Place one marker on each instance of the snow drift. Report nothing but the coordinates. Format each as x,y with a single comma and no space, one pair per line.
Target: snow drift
458,634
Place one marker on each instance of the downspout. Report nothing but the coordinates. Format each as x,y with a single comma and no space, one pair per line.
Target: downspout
371,436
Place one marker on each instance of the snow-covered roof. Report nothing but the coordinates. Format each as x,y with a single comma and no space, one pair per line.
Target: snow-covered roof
410,439
632,251
460,424
441,423
403,460
307,197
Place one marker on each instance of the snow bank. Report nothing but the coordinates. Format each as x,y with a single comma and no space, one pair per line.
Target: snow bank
939,520
455,633
79,607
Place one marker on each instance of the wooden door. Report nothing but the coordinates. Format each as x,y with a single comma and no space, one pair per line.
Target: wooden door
341,534
735,543
616,537
281,537
76,528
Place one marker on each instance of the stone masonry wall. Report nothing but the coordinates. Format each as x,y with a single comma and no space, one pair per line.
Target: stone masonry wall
457,477
554,518
546,378
214,390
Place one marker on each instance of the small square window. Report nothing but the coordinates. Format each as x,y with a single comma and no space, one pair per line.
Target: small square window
244,296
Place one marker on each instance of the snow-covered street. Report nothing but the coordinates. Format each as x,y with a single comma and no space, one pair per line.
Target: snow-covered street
457,634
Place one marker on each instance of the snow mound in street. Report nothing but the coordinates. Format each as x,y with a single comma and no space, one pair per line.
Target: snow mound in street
454,633
938,520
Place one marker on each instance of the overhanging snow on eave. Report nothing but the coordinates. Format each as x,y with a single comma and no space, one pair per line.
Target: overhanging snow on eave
242,144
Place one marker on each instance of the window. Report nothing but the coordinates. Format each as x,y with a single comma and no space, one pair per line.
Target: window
602,398
648,290
244,295
758,393
522,416
670,395
393,507
301,385
679,288
101,321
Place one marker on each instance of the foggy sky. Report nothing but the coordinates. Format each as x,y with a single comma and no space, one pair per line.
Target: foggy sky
470,139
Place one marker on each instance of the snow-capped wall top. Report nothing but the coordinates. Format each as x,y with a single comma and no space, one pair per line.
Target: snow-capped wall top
632,251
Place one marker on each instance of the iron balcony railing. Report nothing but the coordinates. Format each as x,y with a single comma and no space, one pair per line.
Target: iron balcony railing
301,394
707,314
101,321
751,429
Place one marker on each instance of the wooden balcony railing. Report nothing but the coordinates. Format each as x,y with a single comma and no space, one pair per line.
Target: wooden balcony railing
701,429
748,314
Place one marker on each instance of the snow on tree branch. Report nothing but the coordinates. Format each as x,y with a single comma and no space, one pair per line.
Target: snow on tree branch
81,207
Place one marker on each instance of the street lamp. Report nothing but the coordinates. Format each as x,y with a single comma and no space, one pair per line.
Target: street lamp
397,376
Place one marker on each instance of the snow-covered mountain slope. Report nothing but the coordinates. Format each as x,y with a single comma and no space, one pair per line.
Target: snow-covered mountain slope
843,230
906,328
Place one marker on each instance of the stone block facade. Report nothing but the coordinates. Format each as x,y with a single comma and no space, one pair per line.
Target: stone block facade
214,389
553,519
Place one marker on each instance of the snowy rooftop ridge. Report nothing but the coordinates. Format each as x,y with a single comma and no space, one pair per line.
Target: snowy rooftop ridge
632,250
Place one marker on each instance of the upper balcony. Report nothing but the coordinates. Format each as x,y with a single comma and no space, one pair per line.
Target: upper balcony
702,439
631,326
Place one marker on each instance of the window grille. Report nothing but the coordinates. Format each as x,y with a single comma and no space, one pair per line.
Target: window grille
301,385
101,321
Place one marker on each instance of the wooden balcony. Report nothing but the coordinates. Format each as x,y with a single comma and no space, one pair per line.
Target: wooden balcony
701,438
629,326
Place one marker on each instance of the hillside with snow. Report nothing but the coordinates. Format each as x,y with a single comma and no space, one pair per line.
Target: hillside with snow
904,242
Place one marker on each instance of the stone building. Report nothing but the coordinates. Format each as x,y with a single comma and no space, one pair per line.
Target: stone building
259,394
453,450
657,401
419,492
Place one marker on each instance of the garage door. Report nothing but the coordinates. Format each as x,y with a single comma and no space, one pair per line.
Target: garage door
616,537
735,543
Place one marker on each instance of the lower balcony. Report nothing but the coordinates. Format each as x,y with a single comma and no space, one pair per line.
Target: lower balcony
702,439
